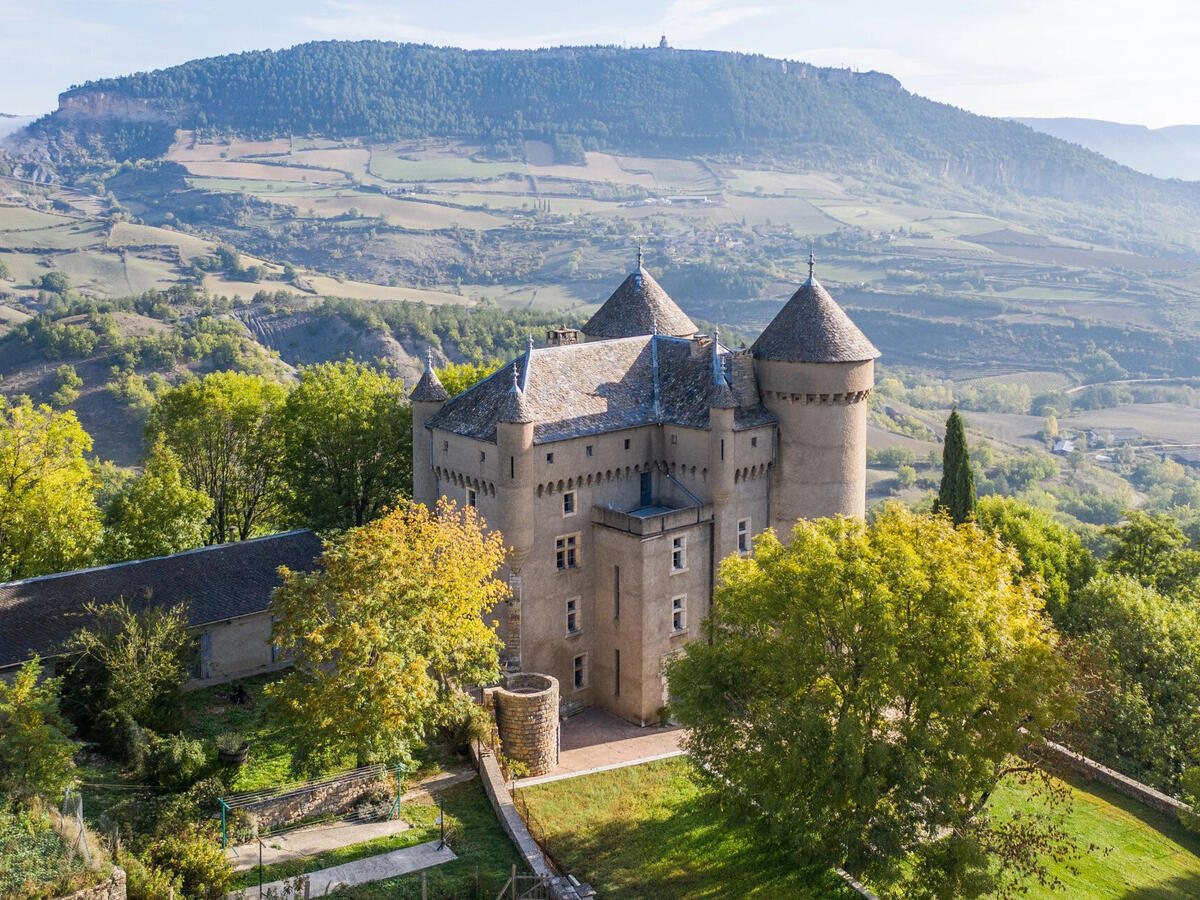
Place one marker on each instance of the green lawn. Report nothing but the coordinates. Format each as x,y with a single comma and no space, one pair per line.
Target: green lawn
1142,855
485,854
648,831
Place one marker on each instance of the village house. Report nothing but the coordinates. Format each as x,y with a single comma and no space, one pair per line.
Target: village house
623,462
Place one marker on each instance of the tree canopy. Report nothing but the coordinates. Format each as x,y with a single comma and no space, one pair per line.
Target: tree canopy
35,743
866,687
346,433
49,520
385,632
223,429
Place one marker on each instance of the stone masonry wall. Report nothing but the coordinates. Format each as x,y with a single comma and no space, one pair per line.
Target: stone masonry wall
1057,754
112,888
319,799
527,718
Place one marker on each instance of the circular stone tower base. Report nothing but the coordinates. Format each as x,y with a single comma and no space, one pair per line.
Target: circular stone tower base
527,719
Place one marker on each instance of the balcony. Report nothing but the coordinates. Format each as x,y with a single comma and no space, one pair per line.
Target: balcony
653,519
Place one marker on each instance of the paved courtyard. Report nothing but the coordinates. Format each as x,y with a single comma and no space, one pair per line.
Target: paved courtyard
597,740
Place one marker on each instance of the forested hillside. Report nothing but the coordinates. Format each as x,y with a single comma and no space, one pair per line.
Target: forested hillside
657,101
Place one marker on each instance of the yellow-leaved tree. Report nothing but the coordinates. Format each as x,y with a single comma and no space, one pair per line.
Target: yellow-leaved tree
384,635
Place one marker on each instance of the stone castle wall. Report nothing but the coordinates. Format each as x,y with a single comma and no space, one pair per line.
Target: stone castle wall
527,718
112,888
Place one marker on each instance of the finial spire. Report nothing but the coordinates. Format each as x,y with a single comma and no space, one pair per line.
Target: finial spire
516,388
639,265
811,262
529,344
429,360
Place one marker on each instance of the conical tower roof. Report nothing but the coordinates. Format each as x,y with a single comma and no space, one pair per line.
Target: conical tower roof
639,306
429,389
811,327
514,408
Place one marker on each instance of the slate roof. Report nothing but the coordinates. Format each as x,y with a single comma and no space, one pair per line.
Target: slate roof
215,583
811,327
639,306
579,389
429,389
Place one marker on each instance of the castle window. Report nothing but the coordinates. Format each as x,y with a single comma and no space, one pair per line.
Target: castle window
569,503
616,673
471,499
445,446
753,442
573,616
566,552
626,443
674,439
588,450
678,614
743,535
482,455
549,457
616,592
678,554
580,668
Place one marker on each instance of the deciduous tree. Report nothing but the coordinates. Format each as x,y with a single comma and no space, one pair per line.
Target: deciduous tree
864,689
49,520
387,628
957,493
157,513
457,377
347,445
35,743
224,430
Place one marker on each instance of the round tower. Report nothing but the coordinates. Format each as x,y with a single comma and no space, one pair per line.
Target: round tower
428,398
514,488
815,372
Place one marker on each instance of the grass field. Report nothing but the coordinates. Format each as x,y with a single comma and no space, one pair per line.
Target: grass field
648,831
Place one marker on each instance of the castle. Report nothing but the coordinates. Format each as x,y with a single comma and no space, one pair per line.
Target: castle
622,468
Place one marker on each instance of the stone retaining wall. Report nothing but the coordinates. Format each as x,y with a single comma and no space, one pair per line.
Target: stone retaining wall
1057,754
527,717
112,888
315,800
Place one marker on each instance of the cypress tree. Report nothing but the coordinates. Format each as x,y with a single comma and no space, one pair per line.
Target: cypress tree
957,493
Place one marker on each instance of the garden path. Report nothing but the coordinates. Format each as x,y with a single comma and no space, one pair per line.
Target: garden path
361,871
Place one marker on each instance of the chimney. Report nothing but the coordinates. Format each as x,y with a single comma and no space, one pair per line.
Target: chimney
558,337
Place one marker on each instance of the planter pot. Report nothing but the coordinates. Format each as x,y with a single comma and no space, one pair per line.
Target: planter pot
234,757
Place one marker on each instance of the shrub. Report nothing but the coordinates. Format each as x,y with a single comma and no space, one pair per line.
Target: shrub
173,761
124,738
196,860
144,882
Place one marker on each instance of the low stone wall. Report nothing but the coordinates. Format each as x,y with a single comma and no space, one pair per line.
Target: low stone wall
1058,755
527,717
112,888
323,798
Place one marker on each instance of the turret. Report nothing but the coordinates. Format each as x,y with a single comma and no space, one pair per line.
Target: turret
427,397
638,306
514,487
815,371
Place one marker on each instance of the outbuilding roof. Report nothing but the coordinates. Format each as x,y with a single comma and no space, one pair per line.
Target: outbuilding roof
214,583
639,306
811,327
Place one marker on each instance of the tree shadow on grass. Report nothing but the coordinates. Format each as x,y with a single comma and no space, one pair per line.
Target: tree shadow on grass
699,849
1175,889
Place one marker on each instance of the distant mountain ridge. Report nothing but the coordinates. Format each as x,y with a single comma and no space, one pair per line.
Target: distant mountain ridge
652,101
1170,152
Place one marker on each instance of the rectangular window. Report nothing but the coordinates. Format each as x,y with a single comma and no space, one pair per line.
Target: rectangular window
674,439
678,554
580,671
569,503
743,534
616,673
626,443
566,552
616,592
753,442
482,456
512,467
722,448
678,614
549,457
471,498
588,450
573,616
445,446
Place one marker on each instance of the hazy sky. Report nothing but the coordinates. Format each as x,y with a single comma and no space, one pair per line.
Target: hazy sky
1126,62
